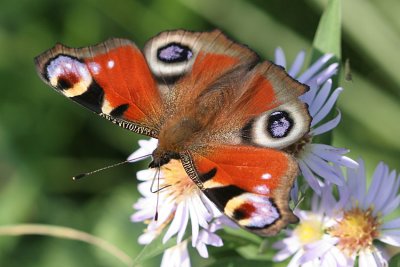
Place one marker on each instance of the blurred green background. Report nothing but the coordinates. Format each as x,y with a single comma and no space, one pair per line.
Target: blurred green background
45,139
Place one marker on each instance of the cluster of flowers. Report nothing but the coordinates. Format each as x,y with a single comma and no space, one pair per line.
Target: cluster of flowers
341,228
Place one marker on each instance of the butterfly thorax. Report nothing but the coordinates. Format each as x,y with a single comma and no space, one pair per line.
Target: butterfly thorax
175,136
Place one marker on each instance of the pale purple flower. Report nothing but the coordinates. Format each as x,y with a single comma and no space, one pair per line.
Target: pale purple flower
338,231
314,159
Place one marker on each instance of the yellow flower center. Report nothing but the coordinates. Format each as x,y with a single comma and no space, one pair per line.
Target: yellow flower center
174,175
309,230
356,230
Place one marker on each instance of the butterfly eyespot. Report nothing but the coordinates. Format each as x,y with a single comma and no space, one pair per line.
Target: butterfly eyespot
253,211
277,128
170,58
67,81
279,124
174,52
69,75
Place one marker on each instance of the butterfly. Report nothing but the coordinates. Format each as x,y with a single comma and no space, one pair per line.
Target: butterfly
211,103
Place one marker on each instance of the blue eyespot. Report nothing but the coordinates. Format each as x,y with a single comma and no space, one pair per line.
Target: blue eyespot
174,52
279,124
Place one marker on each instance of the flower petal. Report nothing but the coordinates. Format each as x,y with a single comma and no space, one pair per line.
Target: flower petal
326,127
391,224
373,191
327,73
320,98
280,58
314,68
297,64
390,238
323,169
176,223
146,149
310,177
333,154
391,206
327,107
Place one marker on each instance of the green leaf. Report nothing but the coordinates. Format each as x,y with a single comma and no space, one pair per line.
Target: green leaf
328,40
395,261
328,35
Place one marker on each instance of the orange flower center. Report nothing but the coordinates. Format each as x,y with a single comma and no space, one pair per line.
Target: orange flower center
356,230
174,175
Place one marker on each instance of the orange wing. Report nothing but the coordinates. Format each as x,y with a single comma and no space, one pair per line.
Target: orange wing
111,79
250,185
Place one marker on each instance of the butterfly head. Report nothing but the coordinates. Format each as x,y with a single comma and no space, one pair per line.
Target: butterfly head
161,158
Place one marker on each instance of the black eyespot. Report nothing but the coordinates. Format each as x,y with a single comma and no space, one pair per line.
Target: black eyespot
279,124
63,83
174,52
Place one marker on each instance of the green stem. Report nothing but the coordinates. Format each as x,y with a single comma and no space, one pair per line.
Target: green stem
67,233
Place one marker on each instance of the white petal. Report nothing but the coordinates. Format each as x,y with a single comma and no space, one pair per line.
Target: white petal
176,256
340,258
297,64
294,262
315,67
393,240
147,238
202,213
315,250
141,216
366,259
280,58
287,247
146,148
144,175
379,259
195,224
185,221
210,206
202,249
176,223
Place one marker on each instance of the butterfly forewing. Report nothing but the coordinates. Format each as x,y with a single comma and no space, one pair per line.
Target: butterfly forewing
111,79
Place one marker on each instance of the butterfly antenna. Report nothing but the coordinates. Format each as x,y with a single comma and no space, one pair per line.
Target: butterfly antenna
158,192
80,176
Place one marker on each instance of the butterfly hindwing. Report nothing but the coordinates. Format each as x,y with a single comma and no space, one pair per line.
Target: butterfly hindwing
111,79
250,185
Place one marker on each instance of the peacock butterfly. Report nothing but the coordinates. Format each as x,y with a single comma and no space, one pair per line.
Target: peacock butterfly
210,102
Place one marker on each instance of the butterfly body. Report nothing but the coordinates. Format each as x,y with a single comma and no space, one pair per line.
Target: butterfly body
210,103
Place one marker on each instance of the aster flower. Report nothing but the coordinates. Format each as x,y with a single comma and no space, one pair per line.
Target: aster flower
314,159
336,232
181,201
